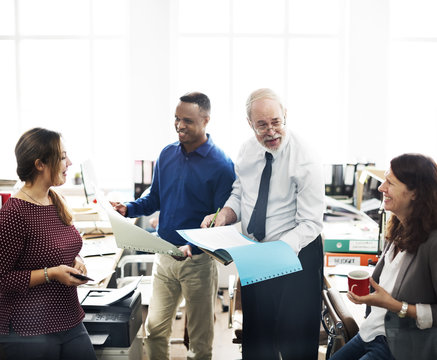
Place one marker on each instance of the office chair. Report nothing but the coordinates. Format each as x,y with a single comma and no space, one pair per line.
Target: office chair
337,321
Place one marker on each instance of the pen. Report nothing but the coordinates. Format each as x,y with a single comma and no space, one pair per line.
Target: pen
215,217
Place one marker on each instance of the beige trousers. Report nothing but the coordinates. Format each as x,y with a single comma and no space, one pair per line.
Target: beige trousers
195,280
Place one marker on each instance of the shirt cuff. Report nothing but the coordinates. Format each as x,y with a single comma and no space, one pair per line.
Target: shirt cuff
294,245
424,316
235,206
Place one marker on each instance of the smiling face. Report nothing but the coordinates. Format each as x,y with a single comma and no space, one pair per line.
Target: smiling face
190,124
55,170
267,119
397,197
63,167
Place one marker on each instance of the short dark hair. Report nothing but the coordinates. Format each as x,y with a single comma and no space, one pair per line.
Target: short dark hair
198,98
419,174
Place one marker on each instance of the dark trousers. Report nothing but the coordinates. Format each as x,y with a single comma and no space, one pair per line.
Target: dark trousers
66,345
282,315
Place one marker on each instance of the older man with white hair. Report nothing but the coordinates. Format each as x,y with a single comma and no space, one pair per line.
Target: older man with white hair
279,195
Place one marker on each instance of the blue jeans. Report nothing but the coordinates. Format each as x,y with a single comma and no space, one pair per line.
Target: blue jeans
70,344
357,349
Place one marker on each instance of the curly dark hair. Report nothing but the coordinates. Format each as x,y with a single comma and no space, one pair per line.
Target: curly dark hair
419,174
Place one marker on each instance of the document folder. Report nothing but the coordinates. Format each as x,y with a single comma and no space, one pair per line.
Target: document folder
255,261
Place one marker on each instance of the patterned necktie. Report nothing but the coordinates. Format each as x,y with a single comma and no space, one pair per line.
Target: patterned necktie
257,223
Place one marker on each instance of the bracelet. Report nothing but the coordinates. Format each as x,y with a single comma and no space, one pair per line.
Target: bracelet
404,309
46,275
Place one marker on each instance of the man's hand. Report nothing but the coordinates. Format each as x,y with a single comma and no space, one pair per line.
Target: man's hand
121,208
186,249
224,217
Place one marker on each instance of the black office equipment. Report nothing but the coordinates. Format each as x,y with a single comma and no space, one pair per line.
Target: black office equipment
114,325
340,180
337,179
349,180
328,179
143,174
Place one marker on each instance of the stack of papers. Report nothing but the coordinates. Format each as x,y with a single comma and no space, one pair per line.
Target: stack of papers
85,214
98,247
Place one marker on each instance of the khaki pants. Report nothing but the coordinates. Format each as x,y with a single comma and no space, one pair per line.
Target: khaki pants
194,279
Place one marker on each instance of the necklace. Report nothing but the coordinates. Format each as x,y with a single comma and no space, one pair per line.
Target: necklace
30,197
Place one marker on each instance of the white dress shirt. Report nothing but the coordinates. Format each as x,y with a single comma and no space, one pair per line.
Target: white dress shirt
296,195
373,325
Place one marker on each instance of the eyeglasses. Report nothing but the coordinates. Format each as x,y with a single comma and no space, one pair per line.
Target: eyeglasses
264,128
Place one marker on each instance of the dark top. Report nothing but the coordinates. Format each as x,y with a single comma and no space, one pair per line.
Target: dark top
186,188
33,237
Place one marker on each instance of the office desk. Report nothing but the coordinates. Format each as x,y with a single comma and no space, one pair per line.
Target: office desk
102,265
338,282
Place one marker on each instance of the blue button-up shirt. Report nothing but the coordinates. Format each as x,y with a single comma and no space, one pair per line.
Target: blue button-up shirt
185,188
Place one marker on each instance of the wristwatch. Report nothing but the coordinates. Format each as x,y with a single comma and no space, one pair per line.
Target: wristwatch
404,309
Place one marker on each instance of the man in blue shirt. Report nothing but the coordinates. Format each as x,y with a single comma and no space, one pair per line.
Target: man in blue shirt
192,178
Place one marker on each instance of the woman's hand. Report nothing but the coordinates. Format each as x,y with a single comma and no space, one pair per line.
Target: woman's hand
80,265
62,274
379,297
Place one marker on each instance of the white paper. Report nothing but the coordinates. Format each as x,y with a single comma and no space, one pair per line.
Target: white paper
107,297
222,237
98,247
129,236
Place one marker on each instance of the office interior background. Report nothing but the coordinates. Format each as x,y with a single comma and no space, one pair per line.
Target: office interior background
358,77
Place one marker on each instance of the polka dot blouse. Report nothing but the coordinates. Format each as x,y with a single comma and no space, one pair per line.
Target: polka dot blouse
33,237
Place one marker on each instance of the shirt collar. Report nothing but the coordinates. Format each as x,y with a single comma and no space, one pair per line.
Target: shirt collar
203,149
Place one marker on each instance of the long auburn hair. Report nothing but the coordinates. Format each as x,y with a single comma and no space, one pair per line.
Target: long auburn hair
45,145
419,174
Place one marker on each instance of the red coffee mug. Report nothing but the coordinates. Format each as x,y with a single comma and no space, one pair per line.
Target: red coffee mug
358,281
5,197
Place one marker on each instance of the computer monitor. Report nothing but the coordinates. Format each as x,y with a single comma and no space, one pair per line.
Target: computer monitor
367,197
88,181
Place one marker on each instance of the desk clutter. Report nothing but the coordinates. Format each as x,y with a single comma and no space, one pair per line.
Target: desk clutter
353,239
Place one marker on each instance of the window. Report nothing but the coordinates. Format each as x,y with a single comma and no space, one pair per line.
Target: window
63,65
358,77
229,48
412,123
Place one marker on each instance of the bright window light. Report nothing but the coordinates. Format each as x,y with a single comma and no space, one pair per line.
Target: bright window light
258,16
54,17
7,17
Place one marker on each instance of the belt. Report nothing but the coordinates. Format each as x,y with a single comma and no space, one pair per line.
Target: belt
178,258
182,258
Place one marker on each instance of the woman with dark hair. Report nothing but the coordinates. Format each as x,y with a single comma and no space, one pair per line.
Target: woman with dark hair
401,318
40,315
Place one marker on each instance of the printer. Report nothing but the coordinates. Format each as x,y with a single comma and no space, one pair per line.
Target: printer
115,324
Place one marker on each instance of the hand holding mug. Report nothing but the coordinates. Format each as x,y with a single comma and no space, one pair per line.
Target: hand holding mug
358,282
